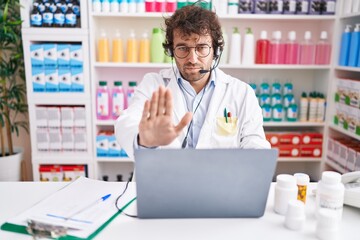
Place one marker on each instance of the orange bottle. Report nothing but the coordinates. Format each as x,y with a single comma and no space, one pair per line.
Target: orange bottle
117,48
144,51
131,48
103,48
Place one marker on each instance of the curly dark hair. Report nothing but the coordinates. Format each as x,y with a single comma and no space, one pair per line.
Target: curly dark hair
193,19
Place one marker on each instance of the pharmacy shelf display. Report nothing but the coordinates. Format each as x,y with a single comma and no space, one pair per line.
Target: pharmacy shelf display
304,78
58,94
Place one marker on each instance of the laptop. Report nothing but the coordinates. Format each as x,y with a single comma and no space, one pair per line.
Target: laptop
203,183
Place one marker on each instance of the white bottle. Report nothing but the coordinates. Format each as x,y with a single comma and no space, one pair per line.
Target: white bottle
330,193
313,104
105,6
233,7
132,6
285,190
140,6
114,6
248,57
225,52
327,226
123,6
96,4
235,48
355,6
220,7
320,110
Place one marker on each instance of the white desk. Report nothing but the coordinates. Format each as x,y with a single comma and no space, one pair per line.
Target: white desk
15,197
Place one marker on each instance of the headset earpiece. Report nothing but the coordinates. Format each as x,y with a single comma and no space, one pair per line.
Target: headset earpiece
217,53
169,52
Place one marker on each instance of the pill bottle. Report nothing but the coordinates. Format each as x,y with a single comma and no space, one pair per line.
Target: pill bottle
295,215
285,190
330,193
327,226
302,181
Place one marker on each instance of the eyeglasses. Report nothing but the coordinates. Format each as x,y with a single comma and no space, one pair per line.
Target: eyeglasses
201,50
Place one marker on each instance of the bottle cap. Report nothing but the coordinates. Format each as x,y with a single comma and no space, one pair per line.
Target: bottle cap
117,33
117,83
277,35
307,35
295,215
132,84
292,35
285,180
323,35
330,177
263,35
156,30
102,83
302,179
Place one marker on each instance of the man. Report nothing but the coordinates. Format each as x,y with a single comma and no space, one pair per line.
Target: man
194,104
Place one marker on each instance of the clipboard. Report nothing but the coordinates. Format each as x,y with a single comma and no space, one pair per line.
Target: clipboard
78,193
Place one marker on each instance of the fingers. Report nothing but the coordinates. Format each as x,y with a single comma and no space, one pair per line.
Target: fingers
183,122
154,105
145,114
162,101
168,103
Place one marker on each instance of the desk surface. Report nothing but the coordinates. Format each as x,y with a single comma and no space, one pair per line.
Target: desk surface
15,197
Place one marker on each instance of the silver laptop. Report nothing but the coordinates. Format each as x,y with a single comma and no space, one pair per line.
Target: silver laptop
203,183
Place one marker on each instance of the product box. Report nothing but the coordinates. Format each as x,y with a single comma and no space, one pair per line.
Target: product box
289,7
55,138
316,7
50,56
42,139
102,145
67,117
354,93
37,55
302,7
289,151
289,138
352,154
246,6
114,147
80,139
77,79
273,138
50,173
328,7
311,151
41,117
79,117
64,78
76,56
51,80
261,6
276,6
311,138
54,117
330,148
357,164
63,55
72,172
68,139
38,79
342,92
352,120
340,115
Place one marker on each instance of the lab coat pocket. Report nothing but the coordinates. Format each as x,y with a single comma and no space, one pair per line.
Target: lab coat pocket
226,127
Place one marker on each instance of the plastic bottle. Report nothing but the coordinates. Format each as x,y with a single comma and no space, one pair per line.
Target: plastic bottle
70,16
132,6
181,3
103,48
304,106
354,46
96,6
345,46
103,101
140,6
291,49
262,49
225,52
327,225
131,48
114,6
150,5
307,50
130,92
59,17
312,107
171,6
118,99
302,181
277,49
35,16
320,110
157,54
323,50
160,6
117,48
47,17
105,6
295,215
330,193
249,48
123,6
285,190
233,7
144,50
235,47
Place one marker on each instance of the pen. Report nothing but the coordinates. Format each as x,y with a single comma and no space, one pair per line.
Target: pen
225,115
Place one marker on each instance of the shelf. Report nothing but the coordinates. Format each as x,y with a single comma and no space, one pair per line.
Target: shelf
335,166
227,16
350,15
224,66
351,69
114,159
62,158
294,124
64,32
344,131
299,159
70,98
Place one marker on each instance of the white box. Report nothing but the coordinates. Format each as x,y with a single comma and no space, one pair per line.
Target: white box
77,79
50,55
114,147
80,139
54,117
63,55
64,78
102,145
76,55
41,117
37,55
354,93
79,117
67,117
68,139
55,139
330,148
42,139
51,80
38,79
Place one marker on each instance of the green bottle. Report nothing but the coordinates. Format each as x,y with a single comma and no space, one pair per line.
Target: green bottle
157,54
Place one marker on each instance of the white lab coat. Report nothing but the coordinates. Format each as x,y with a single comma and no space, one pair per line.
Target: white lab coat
230,93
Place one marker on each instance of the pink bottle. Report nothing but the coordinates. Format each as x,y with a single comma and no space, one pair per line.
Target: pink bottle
323,50
149,5
117,100
160,6
171,5
277,49
307,50
103,101
292,49
130,93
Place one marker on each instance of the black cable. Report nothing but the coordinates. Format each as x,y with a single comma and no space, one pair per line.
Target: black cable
117,200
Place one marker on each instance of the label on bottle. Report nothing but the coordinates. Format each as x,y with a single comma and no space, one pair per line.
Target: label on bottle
35,20
48,18
59,18
118,103
70,19
102,104
76,10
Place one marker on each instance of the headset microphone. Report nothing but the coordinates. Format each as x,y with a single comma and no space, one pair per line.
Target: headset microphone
202,71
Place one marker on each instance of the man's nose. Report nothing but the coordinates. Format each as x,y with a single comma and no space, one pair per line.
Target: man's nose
192,55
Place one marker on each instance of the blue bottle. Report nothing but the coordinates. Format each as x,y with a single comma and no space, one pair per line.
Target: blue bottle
354,46
345,46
